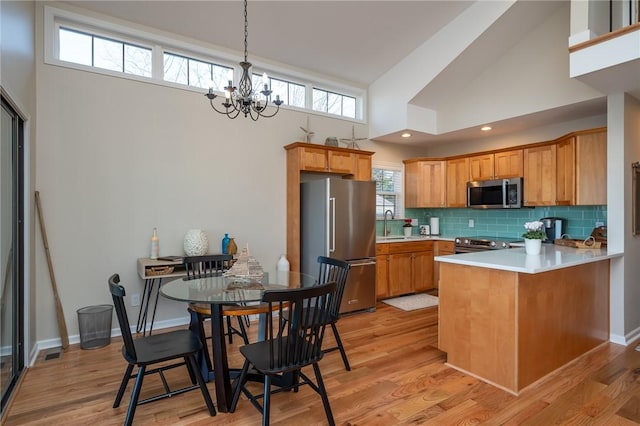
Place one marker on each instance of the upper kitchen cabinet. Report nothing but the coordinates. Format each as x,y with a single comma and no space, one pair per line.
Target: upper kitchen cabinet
539,175
481,167
582,168
499,165
457,178
305,157
319,158
425,183
591,167
508,164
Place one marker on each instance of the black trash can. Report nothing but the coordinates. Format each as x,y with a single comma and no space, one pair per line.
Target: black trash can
94,323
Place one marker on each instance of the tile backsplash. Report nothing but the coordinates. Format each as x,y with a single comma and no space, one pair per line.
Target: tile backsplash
507,223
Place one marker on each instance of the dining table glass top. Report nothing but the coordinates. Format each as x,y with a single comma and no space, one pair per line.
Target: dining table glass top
232,289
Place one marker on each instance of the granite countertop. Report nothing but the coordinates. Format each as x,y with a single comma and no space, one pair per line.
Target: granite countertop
401,239
516,260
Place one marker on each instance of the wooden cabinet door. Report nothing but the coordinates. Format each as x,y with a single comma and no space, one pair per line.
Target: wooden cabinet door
382,271
422,271
400,273
434,191
565,172
342,162
314,159
424,184
412,183
540,175
457,177
591,168
363,167
481,167
508,164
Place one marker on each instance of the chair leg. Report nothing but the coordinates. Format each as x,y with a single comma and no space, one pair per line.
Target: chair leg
197,326
123,385
266,402
239,384
229,330
191,361
243,330
323,394
340,347
135,395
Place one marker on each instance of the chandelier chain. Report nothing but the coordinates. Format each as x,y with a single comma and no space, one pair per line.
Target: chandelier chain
246,31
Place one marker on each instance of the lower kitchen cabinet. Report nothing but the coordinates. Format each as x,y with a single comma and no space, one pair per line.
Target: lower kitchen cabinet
403,268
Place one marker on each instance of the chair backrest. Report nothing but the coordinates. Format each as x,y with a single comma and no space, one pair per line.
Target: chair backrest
334,270
118,293
295,337
210,265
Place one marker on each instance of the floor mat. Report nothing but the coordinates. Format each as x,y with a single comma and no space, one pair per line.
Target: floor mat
413,302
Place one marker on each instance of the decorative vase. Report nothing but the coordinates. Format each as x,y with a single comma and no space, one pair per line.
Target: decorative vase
196,243
532,245
407,231
232,248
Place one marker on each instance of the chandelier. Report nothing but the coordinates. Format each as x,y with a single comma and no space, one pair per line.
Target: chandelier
243,99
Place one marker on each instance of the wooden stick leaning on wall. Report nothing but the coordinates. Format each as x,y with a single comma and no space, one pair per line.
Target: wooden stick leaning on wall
62,325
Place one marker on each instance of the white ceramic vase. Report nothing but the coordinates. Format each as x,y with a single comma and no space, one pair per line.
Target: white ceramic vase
407,231
532,245
196,243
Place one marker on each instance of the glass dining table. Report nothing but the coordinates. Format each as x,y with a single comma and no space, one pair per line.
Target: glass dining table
218,291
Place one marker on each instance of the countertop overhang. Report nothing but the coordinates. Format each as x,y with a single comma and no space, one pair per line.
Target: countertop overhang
401,239
516,260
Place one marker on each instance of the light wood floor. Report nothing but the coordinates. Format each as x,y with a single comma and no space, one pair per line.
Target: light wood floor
398,377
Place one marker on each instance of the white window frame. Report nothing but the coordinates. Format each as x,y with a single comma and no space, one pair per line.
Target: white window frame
396,167
55,17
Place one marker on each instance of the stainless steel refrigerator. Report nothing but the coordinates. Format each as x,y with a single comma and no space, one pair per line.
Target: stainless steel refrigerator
338,220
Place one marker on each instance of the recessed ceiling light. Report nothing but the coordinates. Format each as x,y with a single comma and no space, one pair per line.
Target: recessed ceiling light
406,135
485,128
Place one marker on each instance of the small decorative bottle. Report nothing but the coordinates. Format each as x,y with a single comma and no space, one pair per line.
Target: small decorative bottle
282,270
232,248
155,244
225,244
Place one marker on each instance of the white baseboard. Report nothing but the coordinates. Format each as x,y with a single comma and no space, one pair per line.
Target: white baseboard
75,339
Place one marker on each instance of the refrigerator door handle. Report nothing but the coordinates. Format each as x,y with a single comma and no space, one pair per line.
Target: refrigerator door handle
332,223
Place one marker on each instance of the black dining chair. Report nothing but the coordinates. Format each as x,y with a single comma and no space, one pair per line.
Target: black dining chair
290,345
335,270
209,266
147,351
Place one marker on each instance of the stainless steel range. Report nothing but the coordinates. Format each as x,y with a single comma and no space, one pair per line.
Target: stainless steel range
474,244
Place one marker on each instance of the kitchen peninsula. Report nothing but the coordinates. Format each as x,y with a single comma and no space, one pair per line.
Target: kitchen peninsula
510,318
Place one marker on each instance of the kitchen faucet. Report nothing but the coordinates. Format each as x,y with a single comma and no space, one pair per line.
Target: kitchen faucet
386,231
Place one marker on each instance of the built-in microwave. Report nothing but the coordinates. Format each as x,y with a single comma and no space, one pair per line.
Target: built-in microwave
495,194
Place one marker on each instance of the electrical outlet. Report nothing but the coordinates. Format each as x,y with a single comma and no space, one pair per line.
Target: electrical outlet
472,223
135,299
599,224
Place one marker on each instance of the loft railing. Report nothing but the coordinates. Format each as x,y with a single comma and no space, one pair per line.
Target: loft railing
623,13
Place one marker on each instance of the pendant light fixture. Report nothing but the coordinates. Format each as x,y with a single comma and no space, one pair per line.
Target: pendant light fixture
243,99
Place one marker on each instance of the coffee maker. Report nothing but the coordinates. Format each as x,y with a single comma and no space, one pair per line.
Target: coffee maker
553,227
